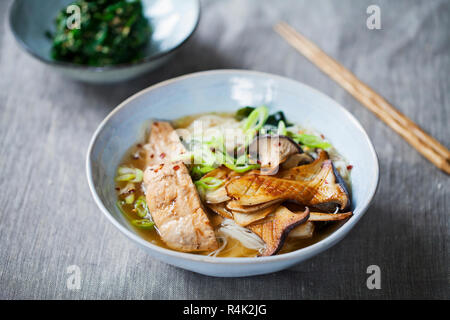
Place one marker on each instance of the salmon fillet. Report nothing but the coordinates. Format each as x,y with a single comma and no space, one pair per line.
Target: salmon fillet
176,208
164,144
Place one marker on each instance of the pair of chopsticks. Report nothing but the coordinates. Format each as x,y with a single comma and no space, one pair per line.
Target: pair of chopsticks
429,147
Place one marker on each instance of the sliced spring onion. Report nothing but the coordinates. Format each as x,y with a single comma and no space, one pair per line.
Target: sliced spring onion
282,128
143,223
217,143
311,141
129,174
129,199
126,177
141,207
256,119
124,170
242,169
119,204
198,171
139,175
209,183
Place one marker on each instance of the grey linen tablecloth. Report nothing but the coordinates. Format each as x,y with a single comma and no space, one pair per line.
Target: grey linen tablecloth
48,220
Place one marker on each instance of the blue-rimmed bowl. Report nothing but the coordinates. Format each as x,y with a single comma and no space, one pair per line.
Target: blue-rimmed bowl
227,90
172,21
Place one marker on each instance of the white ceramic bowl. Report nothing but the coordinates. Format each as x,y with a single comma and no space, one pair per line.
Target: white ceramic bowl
227,90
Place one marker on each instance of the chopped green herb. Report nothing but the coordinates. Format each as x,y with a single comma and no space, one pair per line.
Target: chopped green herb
111,32
143,223
243,113
210,183
141,207
310,140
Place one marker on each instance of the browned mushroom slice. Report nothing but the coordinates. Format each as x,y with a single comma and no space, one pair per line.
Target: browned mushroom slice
296,160
319,216
216,196
235,206
256,189
272,150
221,210
221,172
244,219
305,172
303,231
274,229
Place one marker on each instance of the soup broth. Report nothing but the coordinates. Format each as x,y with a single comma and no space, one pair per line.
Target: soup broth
231,247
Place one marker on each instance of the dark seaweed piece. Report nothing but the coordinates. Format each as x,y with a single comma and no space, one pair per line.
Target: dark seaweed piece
243,113
276,117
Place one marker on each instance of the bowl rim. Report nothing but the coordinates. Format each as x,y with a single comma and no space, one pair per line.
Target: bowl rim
118,66
308,252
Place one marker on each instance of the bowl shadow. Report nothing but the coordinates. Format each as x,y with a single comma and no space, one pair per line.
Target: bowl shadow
184,62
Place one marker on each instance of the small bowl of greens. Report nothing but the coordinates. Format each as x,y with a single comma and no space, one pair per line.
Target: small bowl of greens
103,40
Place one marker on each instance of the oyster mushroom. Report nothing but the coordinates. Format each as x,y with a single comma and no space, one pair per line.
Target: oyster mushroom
272,150
274,229
296,160
324,188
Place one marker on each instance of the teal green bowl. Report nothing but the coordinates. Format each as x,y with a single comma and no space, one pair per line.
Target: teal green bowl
173,22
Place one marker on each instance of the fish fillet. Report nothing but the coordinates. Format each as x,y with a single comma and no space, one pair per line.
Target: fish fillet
176,208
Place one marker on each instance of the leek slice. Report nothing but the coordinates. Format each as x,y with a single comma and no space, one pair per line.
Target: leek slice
143,223
209,183
141,207
256,120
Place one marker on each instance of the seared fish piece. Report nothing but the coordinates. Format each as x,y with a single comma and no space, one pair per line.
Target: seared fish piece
323,188
164,144
176,208
274,229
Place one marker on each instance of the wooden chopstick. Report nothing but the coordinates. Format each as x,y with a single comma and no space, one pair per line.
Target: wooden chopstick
429,147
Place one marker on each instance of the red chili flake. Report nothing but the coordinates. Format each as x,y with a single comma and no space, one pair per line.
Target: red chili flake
117,188
349,167
156,123
151,156
258,162
162,155
279,144
176,167
322,136
139,145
